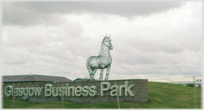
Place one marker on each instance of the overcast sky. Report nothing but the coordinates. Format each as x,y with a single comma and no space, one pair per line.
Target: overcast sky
158,41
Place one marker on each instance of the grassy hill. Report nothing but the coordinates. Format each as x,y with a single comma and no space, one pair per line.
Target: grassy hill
161,95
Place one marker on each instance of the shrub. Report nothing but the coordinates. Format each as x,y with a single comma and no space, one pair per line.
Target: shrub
190,85
199,86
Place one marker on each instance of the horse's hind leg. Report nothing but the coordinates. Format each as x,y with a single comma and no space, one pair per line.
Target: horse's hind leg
91,72
107,72
101,74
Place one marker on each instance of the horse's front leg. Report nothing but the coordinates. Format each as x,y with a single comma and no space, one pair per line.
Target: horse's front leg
101,74
107,72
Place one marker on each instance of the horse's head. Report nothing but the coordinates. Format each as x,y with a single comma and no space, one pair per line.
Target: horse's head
107,42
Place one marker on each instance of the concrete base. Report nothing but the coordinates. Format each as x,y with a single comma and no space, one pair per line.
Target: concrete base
140,91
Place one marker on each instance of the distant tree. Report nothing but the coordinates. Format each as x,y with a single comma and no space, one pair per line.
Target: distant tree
198,79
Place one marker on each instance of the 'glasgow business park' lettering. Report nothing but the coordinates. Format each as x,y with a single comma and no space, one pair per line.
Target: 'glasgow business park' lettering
50,90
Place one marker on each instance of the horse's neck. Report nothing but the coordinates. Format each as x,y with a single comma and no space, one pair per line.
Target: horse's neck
104,51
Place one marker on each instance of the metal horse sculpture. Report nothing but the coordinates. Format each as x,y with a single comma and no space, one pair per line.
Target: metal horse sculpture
102,61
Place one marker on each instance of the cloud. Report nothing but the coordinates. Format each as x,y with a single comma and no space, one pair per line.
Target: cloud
13,14
160,45
32,13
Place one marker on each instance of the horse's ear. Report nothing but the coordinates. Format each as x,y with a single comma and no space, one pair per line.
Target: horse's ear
105,35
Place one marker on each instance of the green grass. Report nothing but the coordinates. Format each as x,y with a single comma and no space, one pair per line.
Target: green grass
161,95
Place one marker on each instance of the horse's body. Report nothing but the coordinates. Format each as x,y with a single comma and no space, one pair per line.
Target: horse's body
102,61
